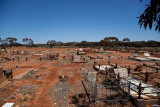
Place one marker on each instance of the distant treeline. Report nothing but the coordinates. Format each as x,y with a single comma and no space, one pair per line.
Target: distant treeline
106,42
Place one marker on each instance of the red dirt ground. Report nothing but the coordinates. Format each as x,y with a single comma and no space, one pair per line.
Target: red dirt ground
47,74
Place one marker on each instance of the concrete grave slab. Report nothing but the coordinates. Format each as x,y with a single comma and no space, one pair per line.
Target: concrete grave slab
78,59
122,72
149,91
153,58
146,54
142,59
134,54
8,105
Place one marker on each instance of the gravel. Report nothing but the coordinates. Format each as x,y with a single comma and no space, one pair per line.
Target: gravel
59,93
27,89
29,75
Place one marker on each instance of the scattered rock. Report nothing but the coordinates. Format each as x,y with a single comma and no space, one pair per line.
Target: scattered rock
27,89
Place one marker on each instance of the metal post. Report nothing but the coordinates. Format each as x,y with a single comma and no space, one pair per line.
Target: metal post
99,66
118,80
118,77
109,61
121,57
139,90
94,62
129,84
11,74
102,90
116,65
129,70
95,92
85,74
157,70
146,77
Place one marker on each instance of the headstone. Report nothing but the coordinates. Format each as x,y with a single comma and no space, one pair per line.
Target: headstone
122,72
77,58
22,52
101,50
80,49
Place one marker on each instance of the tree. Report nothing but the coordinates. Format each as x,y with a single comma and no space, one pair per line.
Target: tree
11,41
59,43
111,39
152,43
151,16
28,41
51,43
83,43
126,40
4,41
25,40
103,43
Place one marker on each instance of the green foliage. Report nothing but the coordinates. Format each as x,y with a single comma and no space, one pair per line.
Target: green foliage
111,39
126,40
28,41
51,43
3,47
151,16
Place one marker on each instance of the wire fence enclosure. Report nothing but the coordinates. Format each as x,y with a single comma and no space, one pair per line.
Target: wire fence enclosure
106,91
119,88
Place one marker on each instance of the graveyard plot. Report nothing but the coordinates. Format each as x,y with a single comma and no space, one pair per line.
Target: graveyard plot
59,82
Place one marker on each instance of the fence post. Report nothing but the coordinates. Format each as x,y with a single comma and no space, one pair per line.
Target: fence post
109,60
85,75
129,70
116,65
129,84
118,77
11,74
157,70
139,91
95,92
146,76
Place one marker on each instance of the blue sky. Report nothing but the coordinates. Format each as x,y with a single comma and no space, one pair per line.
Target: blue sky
73,20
